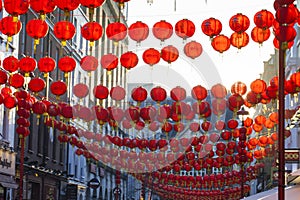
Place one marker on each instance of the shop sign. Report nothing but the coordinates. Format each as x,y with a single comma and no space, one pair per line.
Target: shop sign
292,156
7,162
94,183
72,192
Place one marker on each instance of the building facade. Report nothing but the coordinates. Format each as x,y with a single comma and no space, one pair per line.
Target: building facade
52,170
8,184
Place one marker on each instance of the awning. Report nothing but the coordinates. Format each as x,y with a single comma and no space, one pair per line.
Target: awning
8,182
291,193
296,173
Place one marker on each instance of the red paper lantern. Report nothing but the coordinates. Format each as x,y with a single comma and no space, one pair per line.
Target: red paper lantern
158,94
116,31
101,92
58,88
132,113
36,28
276,44
11,64
22,131
169,53
116,114
162,30
39,107
67,5
89,63
129,60
46,65
67,64
101,114
3,77
151,56
239,23
148,114
91,31
194,127
219,91
138,31
27,65
109,62
6,91
232,123
16,80
258,86
219,105
36,84
239,40
272,92
92,4
166,127
42,7
211,27
263,19
10,102
235,102
285,33
220,43
199,93
284,2
16,7
117,93
193,49
10,27
139,94
80,90
154,126
260,35
185,28
239,88
64,30
287,14
178,93
121,2
253,98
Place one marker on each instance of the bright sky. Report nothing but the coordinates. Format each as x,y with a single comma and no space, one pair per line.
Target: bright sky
234,65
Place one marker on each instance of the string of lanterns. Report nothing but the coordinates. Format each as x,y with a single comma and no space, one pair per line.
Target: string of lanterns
170,155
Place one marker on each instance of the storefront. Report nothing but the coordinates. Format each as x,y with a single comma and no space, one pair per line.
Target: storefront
7,174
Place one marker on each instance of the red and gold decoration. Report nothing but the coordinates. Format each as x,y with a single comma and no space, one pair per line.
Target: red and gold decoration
213,142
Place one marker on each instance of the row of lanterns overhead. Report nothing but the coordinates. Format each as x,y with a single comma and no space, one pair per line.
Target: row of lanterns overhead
93,145
286,15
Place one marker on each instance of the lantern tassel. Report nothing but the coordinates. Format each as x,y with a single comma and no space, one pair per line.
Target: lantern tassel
36,42
9,39
91,13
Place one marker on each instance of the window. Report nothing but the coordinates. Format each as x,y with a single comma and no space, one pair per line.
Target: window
81,42
75,36
24,36
30,137
40,138
75,173
54,144
46,140
49,46
61,151
86,47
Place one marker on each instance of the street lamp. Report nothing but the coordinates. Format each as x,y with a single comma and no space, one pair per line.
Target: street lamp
241,114
117,193
242,138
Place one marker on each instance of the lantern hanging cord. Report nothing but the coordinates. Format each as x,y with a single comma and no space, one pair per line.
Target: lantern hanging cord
119,17
175,5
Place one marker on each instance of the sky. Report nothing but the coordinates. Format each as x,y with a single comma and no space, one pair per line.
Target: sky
234,65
